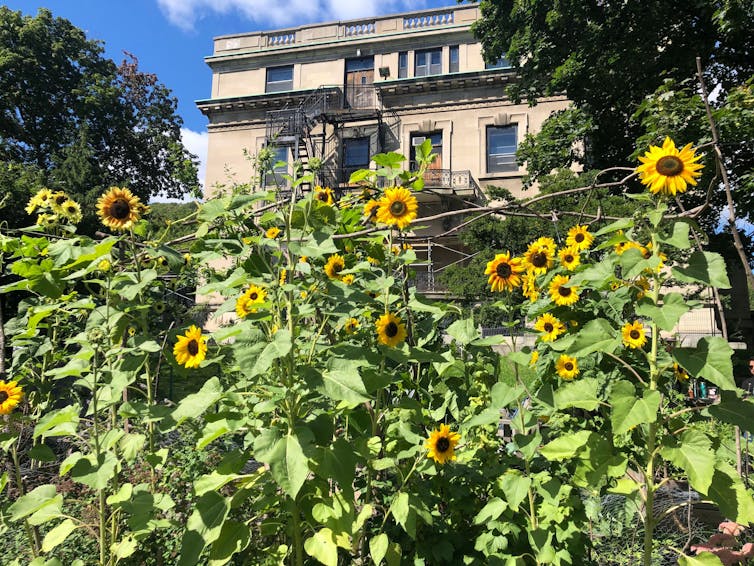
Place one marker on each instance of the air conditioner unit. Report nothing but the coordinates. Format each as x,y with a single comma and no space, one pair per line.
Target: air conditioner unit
418,140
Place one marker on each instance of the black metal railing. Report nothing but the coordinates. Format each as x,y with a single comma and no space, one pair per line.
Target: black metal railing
460,181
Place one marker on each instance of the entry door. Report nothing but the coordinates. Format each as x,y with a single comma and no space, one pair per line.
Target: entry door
358,83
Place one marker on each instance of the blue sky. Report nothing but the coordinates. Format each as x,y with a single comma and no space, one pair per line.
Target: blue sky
171,37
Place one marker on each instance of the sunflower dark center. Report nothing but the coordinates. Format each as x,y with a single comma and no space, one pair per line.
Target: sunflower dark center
564,291
322,195
568,258
549,327
193,347
60,199
71,209
391,330
503,270
539,259
253,296
568,366
337,268
398,208
669,165
634,334
579,237
3,396
442,444
120,209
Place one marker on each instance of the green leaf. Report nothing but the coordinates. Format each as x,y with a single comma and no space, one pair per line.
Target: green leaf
491,511
286,457
234,537
378,548
693,454
322,547
38,506
463,331
629,410
621,224
203,527
58,534
731,409
278,348
704,267
402,512
710,360
515,486
62,422
566,446
703,559
580,394
678,236
597,336
194,405
344,386
95,472
668,314
731,495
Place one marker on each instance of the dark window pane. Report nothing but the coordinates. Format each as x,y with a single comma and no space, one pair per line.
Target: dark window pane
501,63
501,149
402,65
356,152
279,78
453,67
428,62
360,64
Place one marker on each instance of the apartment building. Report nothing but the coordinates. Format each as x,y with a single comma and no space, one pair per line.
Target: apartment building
341,92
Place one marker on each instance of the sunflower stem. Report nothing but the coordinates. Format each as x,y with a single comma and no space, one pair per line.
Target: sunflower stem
31,532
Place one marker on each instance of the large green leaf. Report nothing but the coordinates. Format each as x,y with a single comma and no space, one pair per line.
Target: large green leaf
234,537
515,486
286,456
703,559
491,511
580,394
630,410
95,472
43,500
693,453
61,422
704,267
463,331
58,534
710,360
677,236
598,335
668,314
735,411
344,385
566,446
203,527
731,495
378,547
194,405
322,546
258,364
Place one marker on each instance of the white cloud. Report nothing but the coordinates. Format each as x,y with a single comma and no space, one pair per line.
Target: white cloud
185,13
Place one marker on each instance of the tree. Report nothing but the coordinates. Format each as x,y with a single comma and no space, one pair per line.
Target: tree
82,121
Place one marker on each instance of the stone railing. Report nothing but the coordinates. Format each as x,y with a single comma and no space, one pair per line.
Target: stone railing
428,20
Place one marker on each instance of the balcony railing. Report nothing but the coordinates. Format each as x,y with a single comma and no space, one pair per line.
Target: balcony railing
461,182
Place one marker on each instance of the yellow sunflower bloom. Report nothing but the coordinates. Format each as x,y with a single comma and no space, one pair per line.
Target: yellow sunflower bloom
579,237
249,299
549,326
560,293
398,207
335,264
679,373
569,258
72,211
633,334
119,209
10,395
504,272
441,444
567,367
324,195
57,200
351,325
390,330
545,242
529,286
667,170
283,276
191,348
272,233
534,358
538,258
348,279
370,210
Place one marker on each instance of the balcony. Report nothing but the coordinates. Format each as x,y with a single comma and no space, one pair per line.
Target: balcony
459,183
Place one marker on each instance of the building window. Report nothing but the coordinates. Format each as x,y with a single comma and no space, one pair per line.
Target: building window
501,63
402,64
428,62
355,156
453,66
501,149
274,178
279,79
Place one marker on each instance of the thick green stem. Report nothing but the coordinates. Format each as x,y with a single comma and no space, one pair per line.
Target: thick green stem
31,533
298,540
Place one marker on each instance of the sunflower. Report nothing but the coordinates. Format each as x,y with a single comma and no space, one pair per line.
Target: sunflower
538,257
351,325
47,220
562,295
679,373
72,211
191,348
254,295
545,242
390,330
567,367
119,208
397,207
57,200
335,264
534,358
633,334
504,272
370,210
348,279
159,307
272,233
42,200
549,326
104,265
643,284
324,195
579,237
283,276
441,444
10,396
529,286
569,258
668,170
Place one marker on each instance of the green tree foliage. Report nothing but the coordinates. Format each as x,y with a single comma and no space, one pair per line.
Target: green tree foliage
81,121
